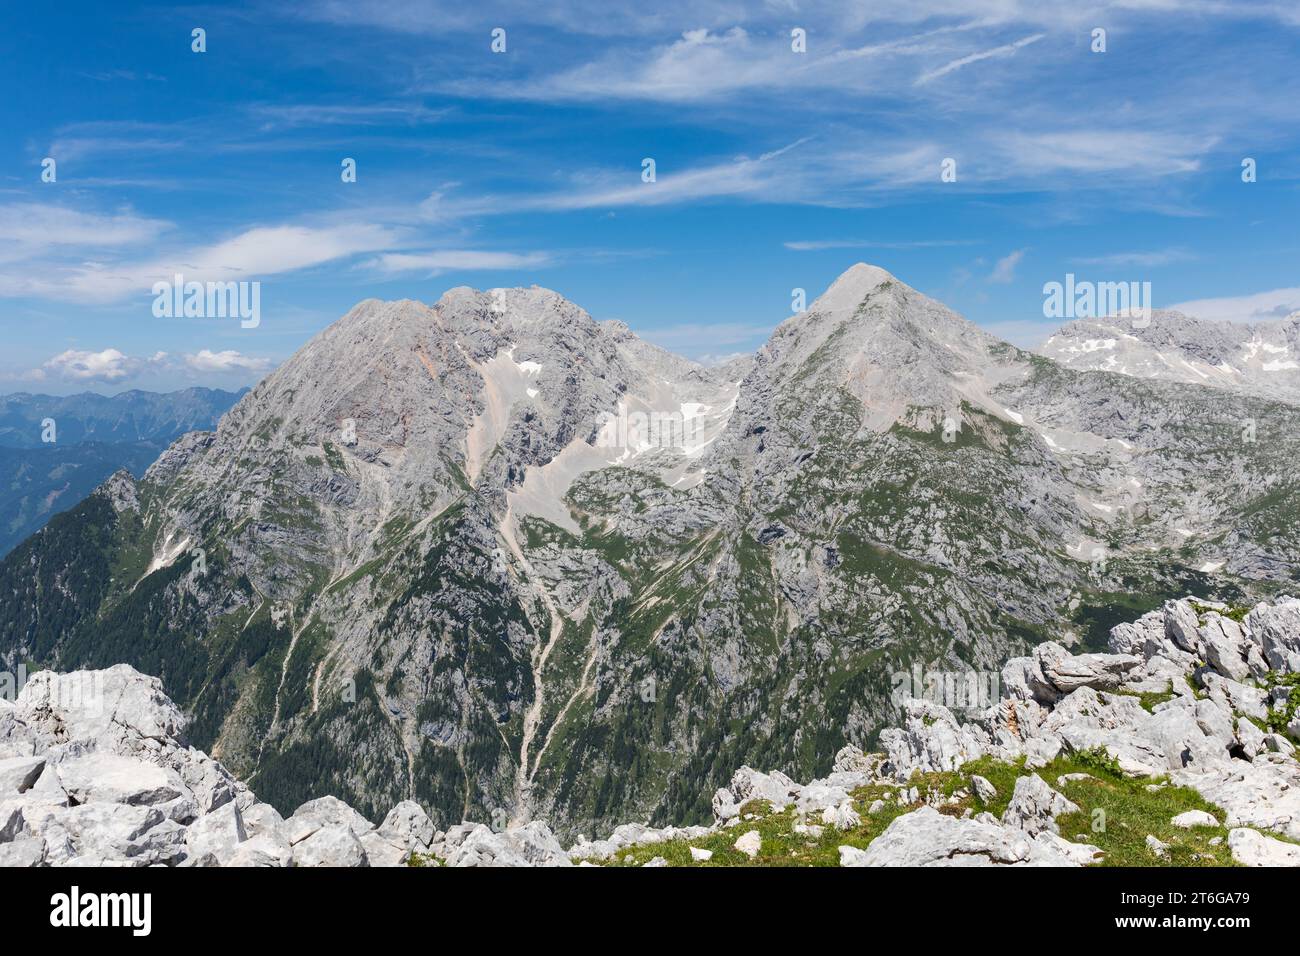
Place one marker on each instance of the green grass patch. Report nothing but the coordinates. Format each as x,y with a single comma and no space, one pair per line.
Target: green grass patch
1116,814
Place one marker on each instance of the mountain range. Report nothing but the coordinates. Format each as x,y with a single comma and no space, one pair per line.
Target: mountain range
1261,358
45,469
511,562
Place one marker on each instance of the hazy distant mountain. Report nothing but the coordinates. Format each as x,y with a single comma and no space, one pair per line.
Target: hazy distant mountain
1260,358
126,417
449,552
94,437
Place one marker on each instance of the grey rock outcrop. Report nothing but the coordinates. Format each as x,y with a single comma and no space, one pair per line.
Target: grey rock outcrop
1252,848
479,845
108,779
926,837
1035,806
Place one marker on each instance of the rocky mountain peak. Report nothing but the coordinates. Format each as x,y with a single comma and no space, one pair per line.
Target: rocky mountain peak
852,286
888,345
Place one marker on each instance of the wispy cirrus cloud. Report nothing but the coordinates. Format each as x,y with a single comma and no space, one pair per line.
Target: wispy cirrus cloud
703,64
594,18
844,168
79,141
1006,49
1148,154
1148,259
755,177
27,228
444,260
254,253
1004,270
270,116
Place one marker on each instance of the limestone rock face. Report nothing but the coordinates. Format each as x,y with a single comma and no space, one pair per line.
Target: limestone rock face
217,835
108,778
749,784
1053,672
1194,818
19,773
1276,630
1068,672
930,740
333,844
1057,702
263,850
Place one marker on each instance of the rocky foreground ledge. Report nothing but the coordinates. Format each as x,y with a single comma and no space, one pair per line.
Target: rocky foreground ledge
1176,749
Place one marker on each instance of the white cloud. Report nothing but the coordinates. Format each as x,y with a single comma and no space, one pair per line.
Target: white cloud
1258,307
254,253
28,229
112,366
227,361
1005,268
77,365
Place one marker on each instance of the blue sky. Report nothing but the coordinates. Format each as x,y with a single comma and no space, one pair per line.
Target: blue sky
774,169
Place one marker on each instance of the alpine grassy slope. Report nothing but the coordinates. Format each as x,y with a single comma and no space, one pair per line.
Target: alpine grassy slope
446,553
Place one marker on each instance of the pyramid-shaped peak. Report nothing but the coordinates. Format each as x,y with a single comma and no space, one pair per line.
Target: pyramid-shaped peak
853,285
